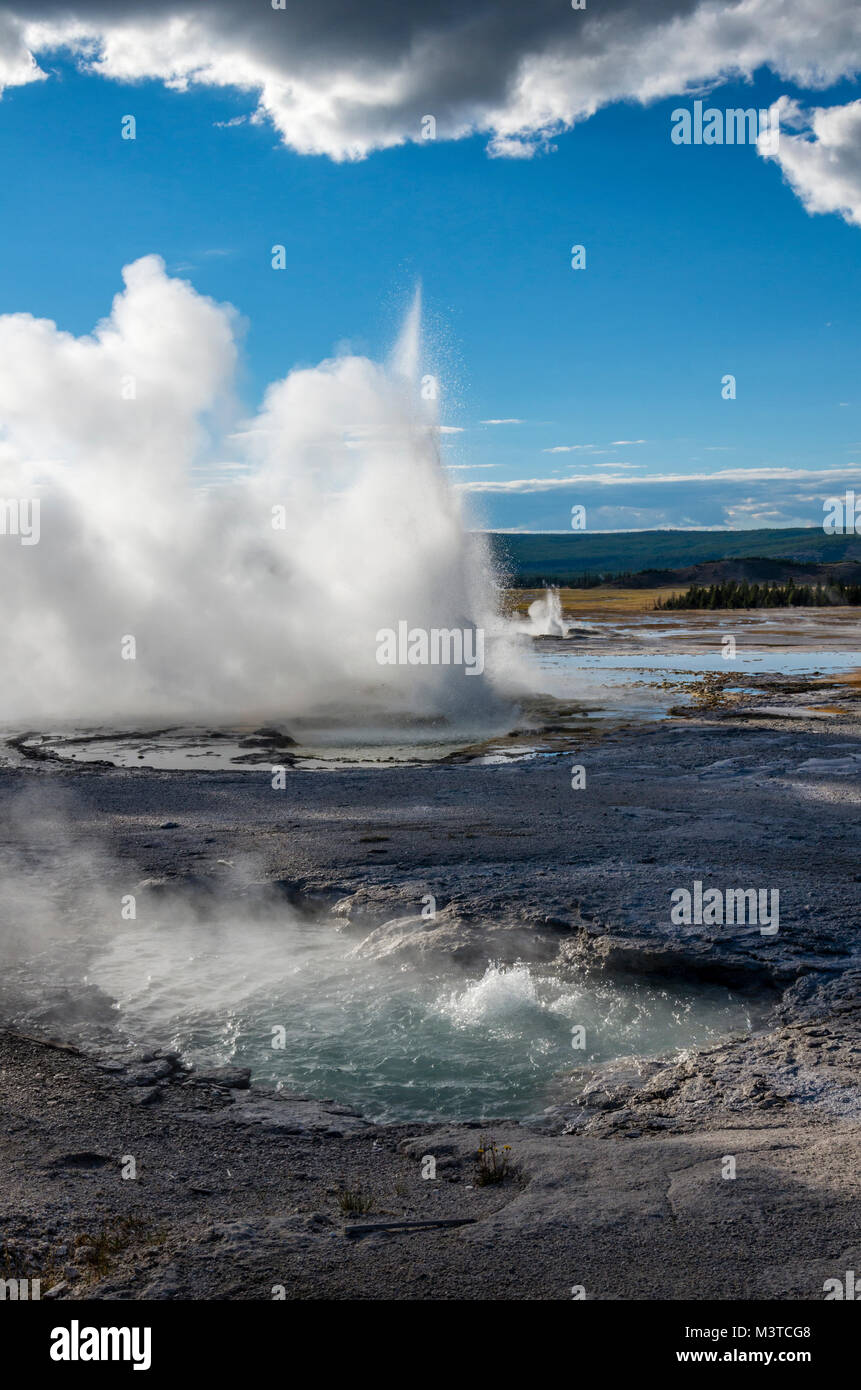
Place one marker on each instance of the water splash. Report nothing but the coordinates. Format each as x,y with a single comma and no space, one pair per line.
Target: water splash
500,993
545,616
407,354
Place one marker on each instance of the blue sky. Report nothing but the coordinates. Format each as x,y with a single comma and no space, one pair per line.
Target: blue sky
701,261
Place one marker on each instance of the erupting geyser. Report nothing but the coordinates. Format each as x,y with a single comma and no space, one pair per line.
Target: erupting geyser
323,520
545,616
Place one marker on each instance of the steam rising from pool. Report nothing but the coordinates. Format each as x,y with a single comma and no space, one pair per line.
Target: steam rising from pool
396,1040
219,974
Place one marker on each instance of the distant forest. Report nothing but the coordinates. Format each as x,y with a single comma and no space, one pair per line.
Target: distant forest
582,559
743,594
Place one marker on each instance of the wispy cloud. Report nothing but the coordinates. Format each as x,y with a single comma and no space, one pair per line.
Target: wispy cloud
572,449
726,475
617,498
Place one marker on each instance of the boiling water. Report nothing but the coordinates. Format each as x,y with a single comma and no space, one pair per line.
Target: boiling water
396,1040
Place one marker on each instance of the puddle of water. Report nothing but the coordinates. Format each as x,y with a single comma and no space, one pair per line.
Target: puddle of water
636,667
207,751
646,689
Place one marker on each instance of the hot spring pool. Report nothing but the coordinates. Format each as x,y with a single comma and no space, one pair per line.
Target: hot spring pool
292,1000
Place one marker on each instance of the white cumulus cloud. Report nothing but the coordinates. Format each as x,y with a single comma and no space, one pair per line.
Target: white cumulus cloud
342,79
822,162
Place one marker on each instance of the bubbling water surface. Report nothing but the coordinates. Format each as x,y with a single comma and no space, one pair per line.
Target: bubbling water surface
399,1041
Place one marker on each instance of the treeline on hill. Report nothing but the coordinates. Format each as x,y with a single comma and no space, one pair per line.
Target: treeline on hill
590,579
743,594
529,558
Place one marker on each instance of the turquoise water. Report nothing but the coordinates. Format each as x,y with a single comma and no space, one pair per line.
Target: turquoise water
394,1040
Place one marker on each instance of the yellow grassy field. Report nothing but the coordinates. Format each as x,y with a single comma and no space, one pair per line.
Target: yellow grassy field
582,602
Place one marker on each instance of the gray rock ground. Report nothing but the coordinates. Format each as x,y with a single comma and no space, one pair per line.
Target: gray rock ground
619,1188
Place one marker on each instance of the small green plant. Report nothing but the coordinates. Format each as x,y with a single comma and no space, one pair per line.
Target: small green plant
354,1201
99,1251
493,1162
86,1256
